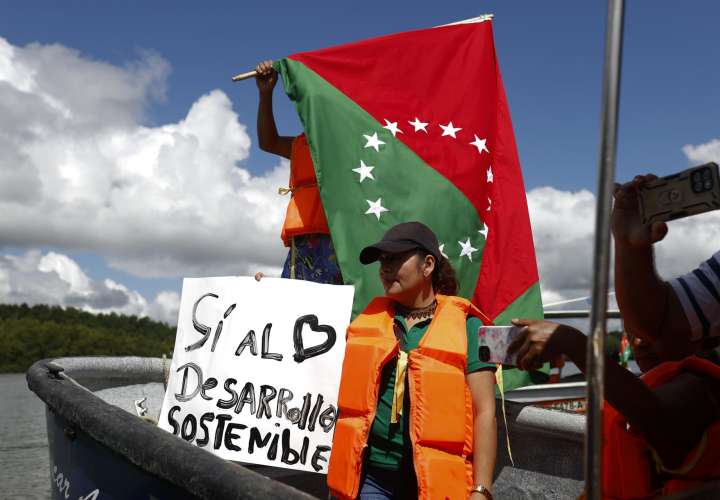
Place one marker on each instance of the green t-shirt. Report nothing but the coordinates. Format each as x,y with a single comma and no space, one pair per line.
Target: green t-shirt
388,443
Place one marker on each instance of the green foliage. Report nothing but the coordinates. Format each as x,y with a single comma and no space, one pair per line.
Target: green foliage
28,334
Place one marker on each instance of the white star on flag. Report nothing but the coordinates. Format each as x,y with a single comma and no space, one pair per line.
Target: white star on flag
442,251
418,125
376,208
450,130
484,231
489,204
392,127
489,174
480,144
467,249
365,171
373,141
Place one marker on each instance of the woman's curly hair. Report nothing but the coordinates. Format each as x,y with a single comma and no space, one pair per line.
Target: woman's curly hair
444,280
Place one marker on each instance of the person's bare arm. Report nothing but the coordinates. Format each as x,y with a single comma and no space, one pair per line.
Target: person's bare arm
543,341
268,138
672,418
649,306
482,389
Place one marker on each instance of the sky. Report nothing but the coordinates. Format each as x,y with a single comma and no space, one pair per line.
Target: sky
129,160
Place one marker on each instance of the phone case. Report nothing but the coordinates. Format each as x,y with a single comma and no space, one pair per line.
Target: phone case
692,191
493,343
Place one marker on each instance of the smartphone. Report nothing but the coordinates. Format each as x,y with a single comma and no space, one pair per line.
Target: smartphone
493,343
692,191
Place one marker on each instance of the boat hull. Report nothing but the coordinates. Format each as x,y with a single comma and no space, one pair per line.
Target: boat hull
98,450
82,468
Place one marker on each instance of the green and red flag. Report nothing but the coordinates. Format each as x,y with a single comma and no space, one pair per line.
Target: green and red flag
416,126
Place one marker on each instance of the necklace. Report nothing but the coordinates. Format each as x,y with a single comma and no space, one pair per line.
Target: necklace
418,313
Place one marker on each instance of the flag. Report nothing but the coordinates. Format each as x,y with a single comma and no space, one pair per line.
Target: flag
416,126
625,352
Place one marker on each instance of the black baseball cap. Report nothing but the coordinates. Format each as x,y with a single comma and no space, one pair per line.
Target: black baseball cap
402,238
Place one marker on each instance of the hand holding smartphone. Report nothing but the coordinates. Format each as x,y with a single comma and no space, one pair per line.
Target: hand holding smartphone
692,191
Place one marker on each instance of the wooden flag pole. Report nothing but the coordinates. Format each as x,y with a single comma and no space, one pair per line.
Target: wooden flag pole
244,76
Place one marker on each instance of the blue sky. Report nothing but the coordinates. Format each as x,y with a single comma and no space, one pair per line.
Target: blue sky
550,56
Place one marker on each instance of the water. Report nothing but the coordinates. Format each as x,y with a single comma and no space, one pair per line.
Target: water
24,458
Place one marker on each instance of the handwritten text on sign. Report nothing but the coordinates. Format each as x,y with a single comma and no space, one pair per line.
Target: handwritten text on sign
256,369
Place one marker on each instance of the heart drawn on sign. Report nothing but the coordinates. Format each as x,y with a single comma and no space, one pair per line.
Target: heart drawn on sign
302,353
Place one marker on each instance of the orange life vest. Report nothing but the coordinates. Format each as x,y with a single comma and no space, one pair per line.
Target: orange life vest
627,460
441,416
305,214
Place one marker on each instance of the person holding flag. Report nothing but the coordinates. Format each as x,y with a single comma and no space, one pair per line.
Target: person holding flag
415,126
416,404
305,230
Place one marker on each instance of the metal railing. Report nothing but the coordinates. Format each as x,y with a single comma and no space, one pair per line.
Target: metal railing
570,314
601,254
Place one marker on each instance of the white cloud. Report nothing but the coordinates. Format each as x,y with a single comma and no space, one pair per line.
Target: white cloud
563,225
703,153
53,278
67,270
79,170
165,307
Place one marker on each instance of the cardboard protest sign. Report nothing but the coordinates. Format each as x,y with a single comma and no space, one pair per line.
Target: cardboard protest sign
256,369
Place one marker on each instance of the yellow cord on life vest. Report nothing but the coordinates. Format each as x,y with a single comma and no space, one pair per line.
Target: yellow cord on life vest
501,388
399,389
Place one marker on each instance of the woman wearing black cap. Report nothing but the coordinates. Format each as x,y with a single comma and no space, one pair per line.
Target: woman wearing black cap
416,405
